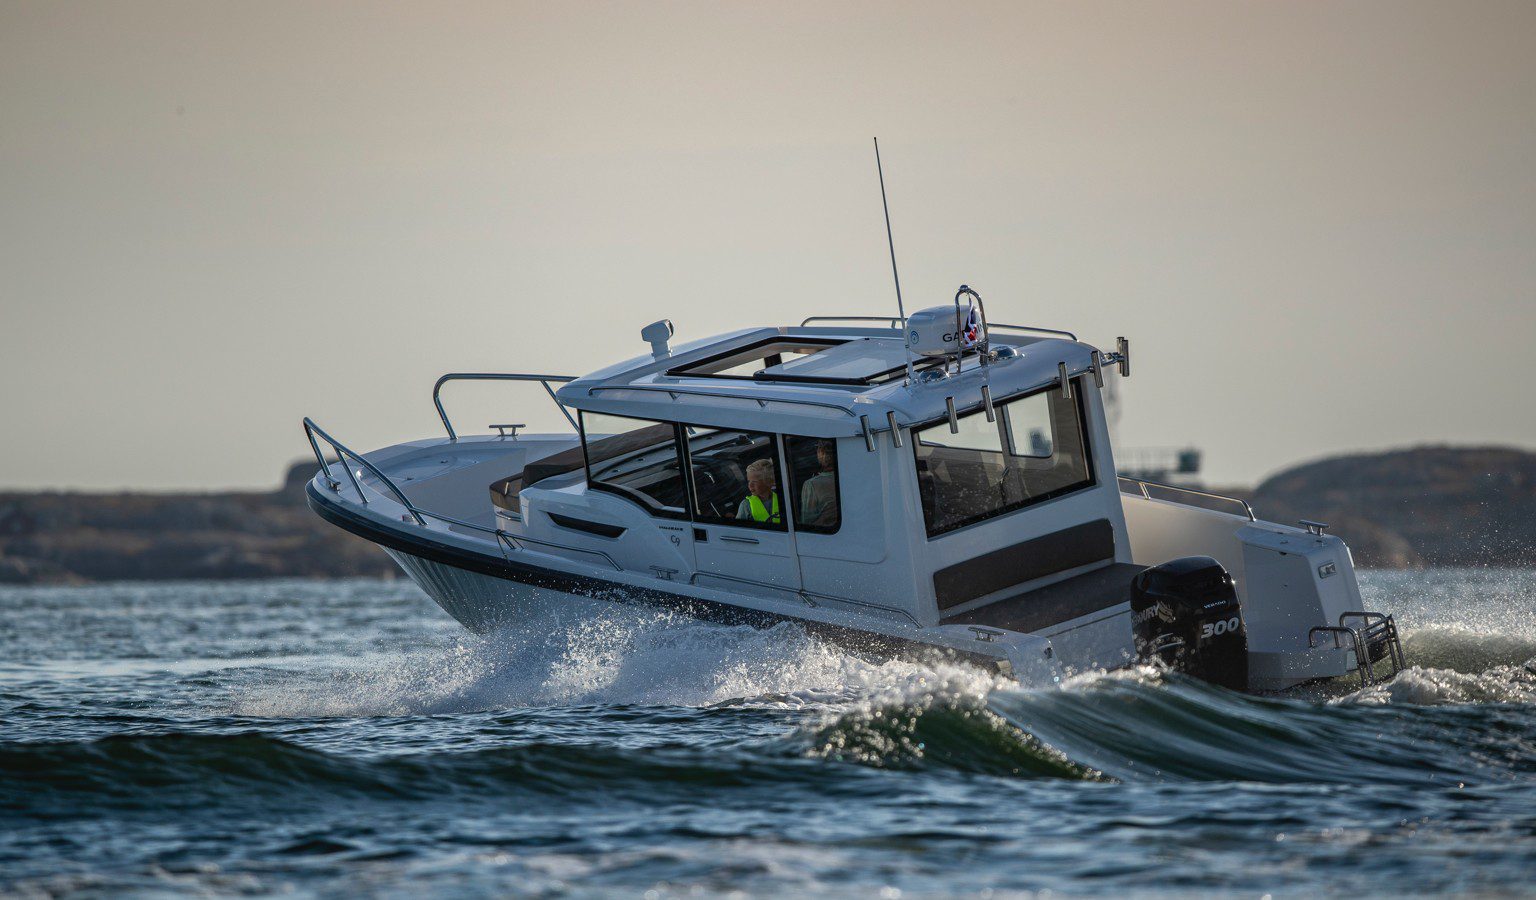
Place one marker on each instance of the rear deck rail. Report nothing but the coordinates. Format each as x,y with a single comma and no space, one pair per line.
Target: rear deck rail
1145,489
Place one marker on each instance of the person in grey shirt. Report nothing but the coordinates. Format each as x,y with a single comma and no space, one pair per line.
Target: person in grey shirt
818,496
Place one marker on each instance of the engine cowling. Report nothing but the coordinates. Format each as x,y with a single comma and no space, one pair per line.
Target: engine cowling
1186,613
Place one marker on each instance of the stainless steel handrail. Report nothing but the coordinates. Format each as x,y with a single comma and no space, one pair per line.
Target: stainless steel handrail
420,515
810,597
512,540
1063,333
894,323
343,453
760,401
543,380
1143,485
1376,628
1362,653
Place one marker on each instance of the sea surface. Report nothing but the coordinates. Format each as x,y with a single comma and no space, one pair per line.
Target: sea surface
344,738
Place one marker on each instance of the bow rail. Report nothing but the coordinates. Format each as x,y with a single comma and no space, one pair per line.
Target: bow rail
505,540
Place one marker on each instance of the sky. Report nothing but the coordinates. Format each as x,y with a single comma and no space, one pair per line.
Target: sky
1315,221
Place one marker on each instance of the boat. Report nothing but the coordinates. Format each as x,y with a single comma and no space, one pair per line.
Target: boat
925,484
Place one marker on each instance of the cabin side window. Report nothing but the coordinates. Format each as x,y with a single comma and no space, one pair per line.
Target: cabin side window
813,483
636,458
736,478
1035,450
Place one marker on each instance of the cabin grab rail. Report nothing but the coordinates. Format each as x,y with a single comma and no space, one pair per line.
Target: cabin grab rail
543,380
894,323
1141,488
760,401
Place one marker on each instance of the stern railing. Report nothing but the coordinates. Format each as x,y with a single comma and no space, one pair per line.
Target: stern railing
1141,487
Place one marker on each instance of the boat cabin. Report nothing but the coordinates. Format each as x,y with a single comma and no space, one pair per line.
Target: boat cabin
831,466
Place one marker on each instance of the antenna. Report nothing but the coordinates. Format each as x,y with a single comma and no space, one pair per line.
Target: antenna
895,276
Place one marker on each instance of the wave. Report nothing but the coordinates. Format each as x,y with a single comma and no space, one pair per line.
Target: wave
944,721
611,655
1468,649
1428,686
1141,726
598,653
190,771
1152,725
1430,724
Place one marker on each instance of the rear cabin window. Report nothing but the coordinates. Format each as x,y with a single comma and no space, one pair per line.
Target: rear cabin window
636,458
1035,450
813,483
736,478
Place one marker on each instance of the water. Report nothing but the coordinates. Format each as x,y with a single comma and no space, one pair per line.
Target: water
327,738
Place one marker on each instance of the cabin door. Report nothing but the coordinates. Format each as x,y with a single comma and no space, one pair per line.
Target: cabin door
752,560
741,537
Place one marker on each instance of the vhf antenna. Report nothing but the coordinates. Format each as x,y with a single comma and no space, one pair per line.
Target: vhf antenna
895,276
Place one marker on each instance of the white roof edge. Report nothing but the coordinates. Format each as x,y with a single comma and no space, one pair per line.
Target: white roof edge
640,388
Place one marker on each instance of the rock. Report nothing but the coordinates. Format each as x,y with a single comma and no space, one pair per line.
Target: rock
16,570
1426,506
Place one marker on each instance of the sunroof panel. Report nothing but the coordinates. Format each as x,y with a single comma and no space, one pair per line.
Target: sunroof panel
856,362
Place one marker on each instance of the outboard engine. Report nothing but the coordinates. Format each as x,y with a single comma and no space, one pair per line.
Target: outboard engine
1186,613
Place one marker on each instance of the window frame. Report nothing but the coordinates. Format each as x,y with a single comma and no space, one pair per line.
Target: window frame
781,468
1005,441
789,503
690,370
1011,446
653,507
837,486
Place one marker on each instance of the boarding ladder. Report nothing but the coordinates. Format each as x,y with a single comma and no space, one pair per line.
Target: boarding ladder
1371,635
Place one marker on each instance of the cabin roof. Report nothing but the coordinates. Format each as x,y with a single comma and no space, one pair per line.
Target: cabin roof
848,375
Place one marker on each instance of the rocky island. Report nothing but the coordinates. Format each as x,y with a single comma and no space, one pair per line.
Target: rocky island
1420,507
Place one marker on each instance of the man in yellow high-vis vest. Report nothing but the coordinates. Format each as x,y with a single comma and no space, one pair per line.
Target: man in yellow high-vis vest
762,504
